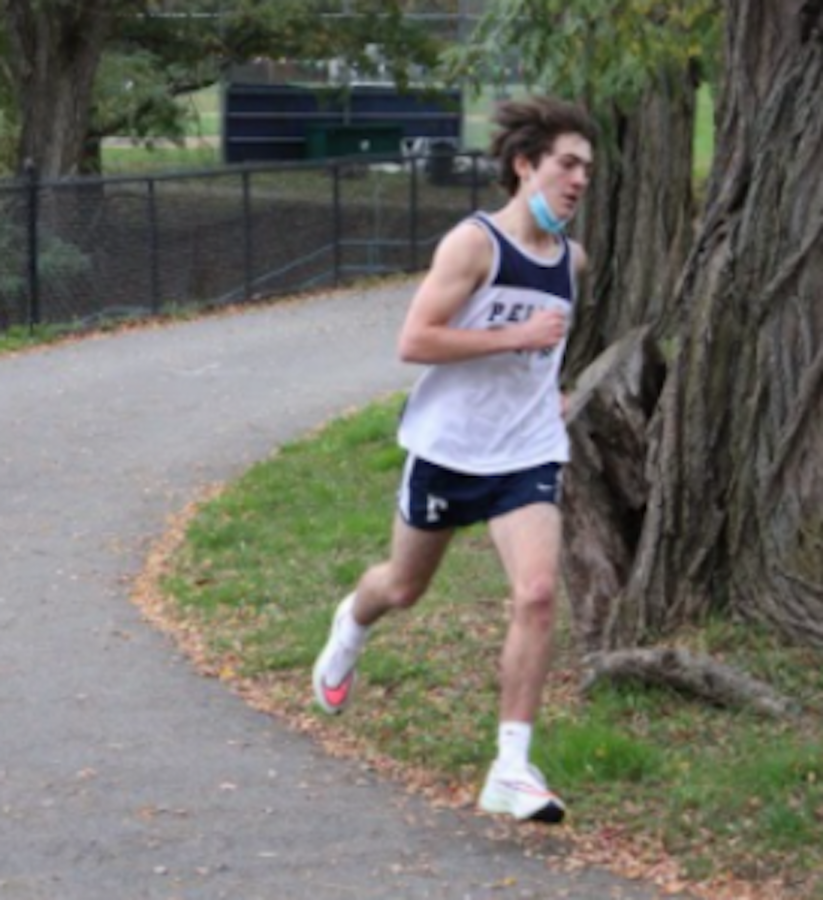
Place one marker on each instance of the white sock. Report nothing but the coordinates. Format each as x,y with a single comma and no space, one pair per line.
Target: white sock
350,639
352,633
513,742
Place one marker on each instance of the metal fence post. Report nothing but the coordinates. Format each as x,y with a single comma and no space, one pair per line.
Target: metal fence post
248,261
33,248
413,217
154,248
475,181
336,224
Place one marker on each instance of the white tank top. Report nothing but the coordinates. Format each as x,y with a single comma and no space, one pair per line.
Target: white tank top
499,413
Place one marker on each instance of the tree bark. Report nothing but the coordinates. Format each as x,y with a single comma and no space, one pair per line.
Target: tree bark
605,485
638,222
696,676
734,516
55,50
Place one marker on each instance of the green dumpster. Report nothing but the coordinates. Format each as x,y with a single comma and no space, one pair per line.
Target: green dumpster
324,141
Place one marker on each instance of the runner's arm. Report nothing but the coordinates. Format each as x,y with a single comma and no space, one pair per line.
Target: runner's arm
461,264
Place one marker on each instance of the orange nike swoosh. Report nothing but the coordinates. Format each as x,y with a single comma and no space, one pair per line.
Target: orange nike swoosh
336,696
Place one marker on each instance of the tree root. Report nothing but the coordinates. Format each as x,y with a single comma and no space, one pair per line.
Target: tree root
697,676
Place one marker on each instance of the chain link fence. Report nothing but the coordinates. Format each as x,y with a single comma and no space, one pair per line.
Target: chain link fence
78,251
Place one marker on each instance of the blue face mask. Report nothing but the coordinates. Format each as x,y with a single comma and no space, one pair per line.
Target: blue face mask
544,215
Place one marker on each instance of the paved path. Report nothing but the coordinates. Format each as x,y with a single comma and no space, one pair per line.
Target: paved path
123,775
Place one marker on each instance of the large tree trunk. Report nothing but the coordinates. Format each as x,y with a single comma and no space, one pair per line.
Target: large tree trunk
734,516
55,50
637,225
605,486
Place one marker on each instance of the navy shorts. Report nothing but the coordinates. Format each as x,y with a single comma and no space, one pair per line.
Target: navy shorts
433,498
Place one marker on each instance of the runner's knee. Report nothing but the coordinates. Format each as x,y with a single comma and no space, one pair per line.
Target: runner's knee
534,603
404,594
393,592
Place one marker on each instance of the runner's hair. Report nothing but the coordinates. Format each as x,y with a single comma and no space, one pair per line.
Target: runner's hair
530,127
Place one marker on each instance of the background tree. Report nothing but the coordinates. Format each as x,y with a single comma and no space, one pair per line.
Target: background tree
53,50
734,518
151,52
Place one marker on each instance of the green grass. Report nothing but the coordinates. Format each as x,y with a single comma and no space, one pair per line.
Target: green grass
19,337
204,110
202,150
138,159
263,566
703,135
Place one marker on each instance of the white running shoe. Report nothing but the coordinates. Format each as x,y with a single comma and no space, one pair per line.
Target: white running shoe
334,697
522,793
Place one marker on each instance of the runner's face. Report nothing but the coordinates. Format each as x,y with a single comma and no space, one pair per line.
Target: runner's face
563,175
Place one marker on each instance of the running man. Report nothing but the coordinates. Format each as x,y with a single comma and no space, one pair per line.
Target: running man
484,427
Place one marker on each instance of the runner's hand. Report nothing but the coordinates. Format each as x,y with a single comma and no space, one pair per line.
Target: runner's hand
544,329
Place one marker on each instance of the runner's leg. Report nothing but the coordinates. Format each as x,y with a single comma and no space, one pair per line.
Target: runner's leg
394,584
528,542
403,578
